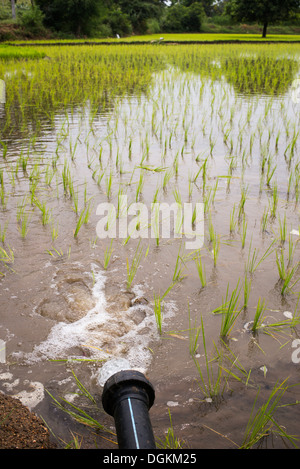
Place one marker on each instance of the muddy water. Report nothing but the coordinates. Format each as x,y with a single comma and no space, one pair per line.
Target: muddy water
64,313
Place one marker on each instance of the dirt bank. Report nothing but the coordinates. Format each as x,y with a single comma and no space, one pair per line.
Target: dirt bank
20,428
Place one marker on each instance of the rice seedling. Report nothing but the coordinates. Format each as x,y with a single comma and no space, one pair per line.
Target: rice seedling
264,220
7,255
79,413
240,373
273,203
170,441
45,213
57,253
200,269
289,281
258,319
23,226
247,289
3,232
158,311
230,311
132,269
232,221
211,382
282,229
216,248
179,267
253,260
242,203
107,255
262,422
244,231
194,333
79,223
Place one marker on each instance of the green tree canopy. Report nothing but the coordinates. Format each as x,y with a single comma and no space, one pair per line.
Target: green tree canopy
138,11
69,15
263,11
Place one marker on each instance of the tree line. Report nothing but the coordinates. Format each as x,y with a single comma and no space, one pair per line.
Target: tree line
101,18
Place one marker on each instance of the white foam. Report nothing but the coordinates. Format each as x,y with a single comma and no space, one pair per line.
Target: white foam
111,367
65,336
128,341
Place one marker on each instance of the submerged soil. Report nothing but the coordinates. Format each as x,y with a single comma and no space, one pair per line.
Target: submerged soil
20,428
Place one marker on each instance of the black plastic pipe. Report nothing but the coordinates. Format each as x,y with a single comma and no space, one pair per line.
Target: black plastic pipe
127,396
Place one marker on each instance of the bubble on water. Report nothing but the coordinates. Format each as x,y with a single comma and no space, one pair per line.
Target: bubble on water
111,367
33,397
115,333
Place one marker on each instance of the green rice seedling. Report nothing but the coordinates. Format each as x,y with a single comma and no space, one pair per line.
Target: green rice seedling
240,374
170,441
179,267
289,282
244,231
194,333
79,223
210,383
167,176
211,230
280,262
291,250
273,204
253,261
79,414
282,229
7,255
247,289
23,227
107,255
242,203
270,173
87,213
230,311
158,311
54,233
258,319
262,423
3,232
200,269
57,253
45,213
5,148
264,220
139,186
216,248
132,269
108,183
232,221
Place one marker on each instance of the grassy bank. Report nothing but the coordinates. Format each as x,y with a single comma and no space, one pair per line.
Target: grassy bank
169,39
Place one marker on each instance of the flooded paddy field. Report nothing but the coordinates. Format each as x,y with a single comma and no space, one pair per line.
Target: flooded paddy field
214,325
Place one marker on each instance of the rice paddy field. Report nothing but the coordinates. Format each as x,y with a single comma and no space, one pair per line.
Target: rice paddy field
216,328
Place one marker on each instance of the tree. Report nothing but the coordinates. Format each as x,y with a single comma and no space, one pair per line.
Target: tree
180,18
206,4
13,9
263,11
73,16
139,11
